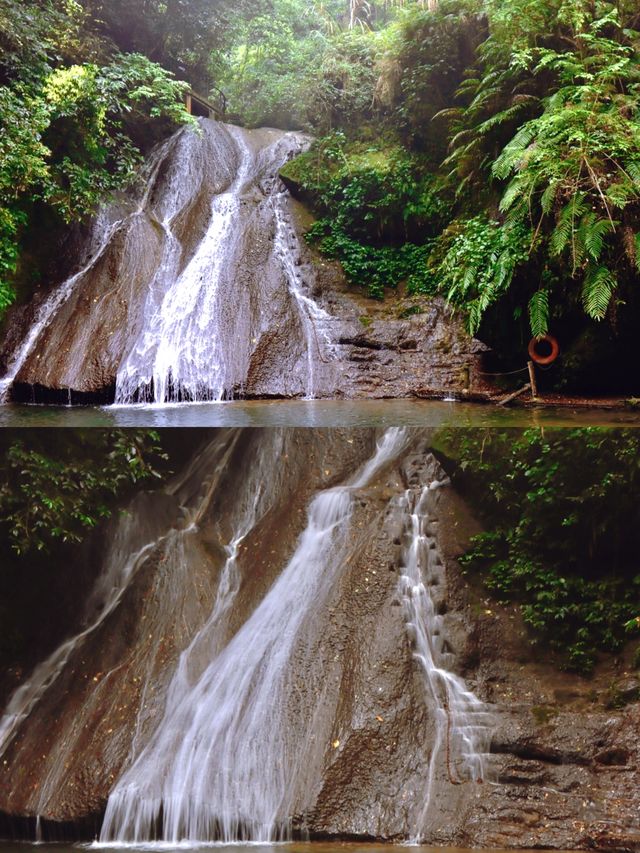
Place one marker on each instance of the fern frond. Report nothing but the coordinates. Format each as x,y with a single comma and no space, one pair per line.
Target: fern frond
548,198
539,313
560,236
475,317
593,234
499,118
448,113
511,194
597,290
633,170
513,153
462,136
566,225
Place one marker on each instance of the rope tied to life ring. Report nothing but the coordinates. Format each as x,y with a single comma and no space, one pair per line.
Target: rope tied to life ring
544,350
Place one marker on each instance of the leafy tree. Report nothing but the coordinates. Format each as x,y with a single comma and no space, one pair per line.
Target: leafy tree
54,490
573,168
179,35
71,131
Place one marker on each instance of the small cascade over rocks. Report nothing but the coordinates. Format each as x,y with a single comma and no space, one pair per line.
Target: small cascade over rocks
192,292
161,528
464,724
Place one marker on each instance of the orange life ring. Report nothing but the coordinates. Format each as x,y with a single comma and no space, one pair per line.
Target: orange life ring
538,357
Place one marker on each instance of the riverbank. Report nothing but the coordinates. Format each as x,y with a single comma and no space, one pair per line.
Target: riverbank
552,399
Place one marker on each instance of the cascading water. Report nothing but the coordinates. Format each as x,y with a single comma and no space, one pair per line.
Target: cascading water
195,295
225,760
313,318
464,724
182,352
139,534
243,674
120,567
103,232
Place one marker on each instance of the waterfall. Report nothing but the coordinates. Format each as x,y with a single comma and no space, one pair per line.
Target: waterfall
313,318
226,684
140,532
194,289
196,343
120,568
107,224
181,352
463,724
103,233
224,761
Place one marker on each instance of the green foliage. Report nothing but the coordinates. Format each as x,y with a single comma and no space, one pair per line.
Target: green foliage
475,262
56,496
375,268
290,64
489,150
376,201
67,128
557,90
525,117
563,530
179,35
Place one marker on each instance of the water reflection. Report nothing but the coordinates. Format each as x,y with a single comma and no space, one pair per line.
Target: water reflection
313,413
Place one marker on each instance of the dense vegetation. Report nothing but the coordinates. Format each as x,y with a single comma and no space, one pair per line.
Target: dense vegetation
57,486
487,151
493,158
562,530
55,491
76,115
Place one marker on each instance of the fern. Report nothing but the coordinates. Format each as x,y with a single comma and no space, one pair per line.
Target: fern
592,234
597,290
566,225
548,197
513,153
500,118
539,313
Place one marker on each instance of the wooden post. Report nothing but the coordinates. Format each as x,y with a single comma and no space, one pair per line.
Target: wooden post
187,103
515,394
532,379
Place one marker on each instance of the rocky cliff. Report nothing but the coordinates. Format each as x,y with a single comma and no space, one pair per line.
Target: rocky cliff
198,286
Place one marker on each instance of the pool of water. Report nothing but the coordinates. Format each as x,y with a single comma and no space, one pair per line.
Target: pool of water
314,413
293,847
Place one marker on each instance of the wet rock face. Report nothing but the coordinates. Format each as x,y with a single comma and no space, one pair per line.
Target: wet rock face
566,773
563,770
201,287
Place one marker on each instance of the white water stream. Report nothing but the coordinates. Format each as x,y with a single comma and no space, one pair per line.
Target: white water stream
463,724
221,279
103,233
181,351
135,538
229,740
225,759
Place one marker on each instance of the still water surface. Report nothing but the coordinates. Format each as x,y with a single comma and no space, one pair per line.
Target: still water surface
294,847
313,413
